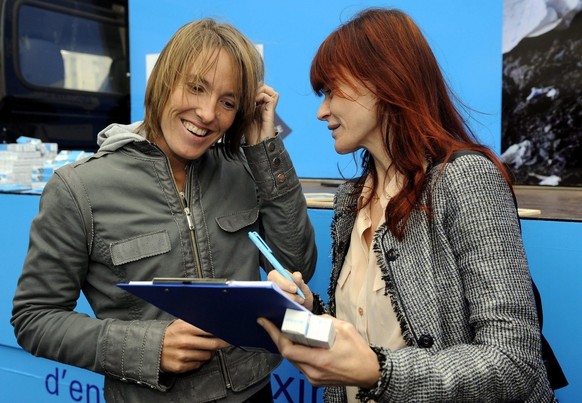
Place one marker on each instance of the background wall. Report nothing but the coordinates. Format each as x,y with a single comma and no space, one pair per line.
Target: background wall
465,36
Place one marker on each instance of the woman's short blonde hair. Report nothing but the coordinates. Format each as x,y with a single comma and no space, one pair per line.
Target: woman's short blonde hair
195,47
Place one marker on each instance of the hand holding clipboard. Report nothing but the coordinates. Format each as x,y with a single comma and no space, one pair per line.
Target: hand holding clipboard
266,251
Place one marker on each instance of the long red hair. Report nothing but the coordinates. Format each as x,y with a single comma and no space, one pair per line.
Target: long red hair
387,53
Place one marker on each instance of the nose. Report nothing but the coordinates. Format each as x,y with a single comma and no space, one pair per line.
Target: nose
206,109
323,110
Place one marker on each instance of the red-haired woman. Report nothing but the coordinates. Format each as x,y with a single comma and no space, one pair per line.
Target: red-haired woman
430,289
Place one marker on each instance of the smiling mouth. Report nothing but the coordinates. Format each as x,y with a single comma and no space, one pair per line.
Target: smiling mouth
198,132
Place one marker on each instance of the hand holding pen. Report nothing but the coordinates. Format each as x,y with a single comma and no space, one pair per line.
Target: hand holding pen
266,251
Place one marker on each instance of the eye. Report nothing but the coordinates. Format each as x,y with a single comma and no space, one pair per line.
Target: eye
326,92
196,88
229,104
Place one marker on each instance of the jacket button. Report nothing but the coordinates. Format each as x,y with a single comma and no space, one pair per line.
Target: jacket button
391,255
271,147
276,162
425,341
281,178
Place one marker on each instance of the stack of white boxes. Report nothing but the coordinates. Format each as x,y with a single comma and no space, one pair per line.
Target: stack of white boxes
19,160
27,165
42,174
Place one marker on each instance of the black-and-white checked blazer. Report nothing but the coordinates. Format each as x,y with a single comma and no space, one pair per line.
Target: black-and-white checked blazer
461,289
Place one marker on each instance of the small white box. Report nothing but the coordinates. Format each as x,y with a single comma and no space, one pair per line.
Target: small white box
321,332
305,328
295,325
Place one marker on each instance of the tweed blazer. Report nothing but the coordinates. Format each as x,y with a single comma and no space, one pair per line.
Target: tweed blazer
461,289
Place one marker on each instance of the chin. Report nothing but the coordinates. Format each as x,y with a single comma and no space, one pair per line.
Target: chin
342,151
192,153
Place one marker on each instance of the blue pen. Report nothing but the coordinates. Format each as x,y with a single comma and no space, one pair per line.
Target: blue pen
266,251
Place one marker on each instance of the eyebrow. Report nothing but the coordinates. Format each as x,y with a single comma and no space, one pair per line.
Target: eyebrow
192,79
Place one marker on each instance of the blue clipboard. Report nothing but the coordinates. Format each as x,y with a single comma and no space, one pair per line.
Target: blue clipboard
227,309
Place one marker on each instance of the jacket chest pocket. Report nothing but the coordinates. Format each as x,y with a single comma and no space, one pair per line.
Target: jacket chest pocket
139,247
238,220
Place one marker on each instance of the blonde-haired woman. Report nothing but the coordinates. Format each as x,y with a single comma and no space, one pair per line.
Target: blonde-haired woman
172,196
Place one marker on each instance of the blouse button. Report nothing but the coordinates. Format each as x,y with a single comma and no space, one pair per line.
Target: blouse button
361,311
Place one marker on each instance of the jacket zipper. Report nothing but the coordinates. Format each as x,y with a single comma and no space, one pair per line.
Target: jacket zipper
190,220
185,197
186,209
222,361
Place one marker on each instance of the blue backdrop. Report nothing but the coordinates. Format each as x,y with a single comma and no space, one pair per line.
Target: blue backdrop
465,36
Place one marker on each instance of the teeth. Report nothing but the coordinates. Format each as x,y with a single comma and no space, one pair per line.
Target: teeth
194,130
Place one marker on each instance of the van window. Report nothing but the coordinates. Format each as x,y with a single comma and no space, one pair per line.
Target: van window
72,49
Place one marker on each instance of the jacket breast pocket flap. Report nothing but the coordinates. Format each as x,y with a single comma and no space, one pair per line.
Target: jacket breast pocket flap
238,220
139,247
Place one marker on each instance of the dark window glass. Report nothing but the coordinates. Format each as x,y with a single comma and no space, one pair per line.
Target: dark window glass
72,50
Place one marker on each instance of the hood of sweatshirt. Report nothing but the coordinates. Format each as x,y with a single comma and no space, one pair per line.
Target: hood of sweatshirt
117,135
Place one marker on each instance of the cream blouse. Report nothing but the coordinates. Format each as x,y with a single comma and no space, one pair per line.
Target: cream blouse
359,294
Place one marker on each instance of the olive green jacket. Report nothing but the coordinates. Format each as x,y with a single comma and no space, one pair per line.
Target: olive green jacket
118,216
